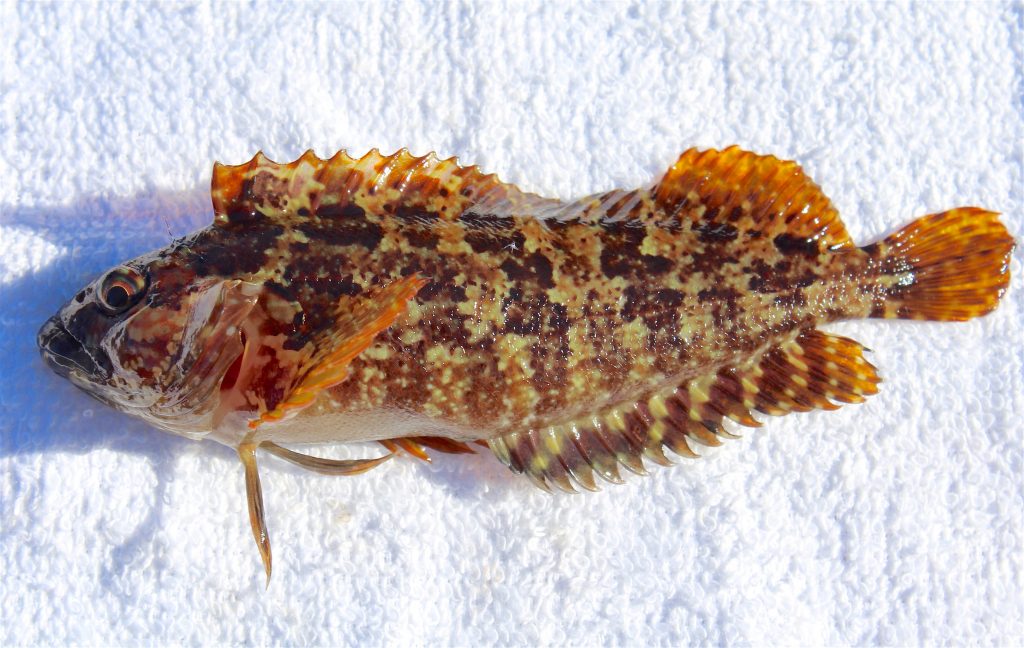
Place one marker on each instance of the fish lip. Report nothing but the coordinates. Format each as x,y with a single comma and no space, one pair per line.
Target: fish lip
65,353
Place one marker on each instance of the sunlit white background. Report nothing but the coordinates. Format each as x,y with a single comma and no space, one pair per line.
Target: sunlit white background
898,521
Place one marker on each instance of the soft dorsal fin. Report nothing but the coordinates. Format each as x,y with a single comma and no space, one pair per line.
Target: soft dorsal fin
807,372
311,187
749,192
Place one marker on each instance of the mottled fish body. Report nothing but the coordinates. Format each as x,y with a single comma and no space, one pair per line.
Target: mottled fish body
416,302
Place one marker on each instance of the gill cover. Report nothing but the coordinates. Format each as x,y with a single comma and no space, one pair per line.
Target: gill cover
208,344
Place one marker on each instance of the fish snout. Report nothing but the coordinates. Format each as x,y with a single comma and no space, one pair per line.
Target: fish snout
63,352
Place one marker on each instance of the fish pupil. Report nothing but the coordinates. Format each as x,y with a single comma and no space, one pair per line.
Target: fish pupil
117,297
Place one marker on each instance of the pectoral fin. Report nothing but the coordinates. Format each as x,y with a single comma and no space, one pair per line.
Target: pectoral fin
254,494
322,465
325,364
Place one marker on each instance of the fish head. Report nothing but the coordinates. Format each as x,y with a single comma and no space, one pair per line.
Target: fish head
153,337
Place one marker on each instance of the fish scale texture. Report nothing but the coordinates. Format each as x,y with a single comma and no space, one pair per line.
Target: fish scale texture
898,521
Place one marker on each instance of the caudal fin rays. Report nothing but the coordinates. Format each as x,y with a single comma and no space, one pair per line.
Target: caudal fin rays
951,266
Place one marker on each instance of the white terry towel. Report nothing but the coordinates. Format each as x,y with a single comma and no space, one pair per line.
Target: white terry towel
894,522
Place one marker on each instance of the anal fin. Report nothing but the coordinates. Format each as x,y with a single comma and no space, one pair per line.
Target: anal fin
812,370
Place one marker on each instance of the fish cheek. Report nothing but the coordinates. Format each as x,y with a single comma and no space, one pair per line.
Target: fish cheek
182,349
147,345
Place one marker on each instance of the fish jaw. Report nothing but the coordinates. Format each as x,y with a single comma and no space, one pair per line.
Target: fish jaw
69,358
65,354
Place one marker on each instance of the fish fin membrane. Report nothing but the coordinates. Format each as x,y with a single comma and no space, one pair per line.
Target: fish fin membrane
416,446
812,370
736,190
311,188
951,266
358,323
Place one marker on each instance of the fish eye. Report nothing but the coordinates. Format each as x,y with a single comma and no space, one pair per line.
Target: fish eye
121,288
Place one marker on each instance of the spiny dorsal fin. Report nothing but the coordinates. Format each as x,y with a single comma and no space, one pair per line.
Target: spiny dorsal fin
738,189
401,183
810,371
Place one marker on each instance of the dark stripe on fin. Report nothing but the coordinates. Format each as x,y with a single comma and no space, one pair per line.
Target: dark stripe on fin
949,266
730,190
416,446
814,370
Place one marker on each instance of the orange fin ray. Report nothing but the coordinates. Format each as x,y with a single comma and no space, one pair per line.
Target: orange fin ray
951,266
813,370
732,190
442,444
356,326
416,446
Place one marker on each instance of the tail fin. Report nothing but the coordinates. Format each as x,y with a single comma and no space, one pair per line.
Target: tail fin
951,266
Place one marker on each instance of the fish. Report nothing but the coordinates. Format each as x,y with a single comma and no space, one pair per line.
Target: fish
429,306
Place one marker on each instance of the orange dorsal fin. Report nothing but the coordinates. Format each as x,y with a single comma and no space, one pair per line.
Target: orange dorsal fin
357,323
813,370
737,189
312,188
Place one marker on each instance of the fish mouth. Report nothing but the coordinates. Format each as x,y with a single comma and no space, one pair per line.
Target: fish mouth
64,353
